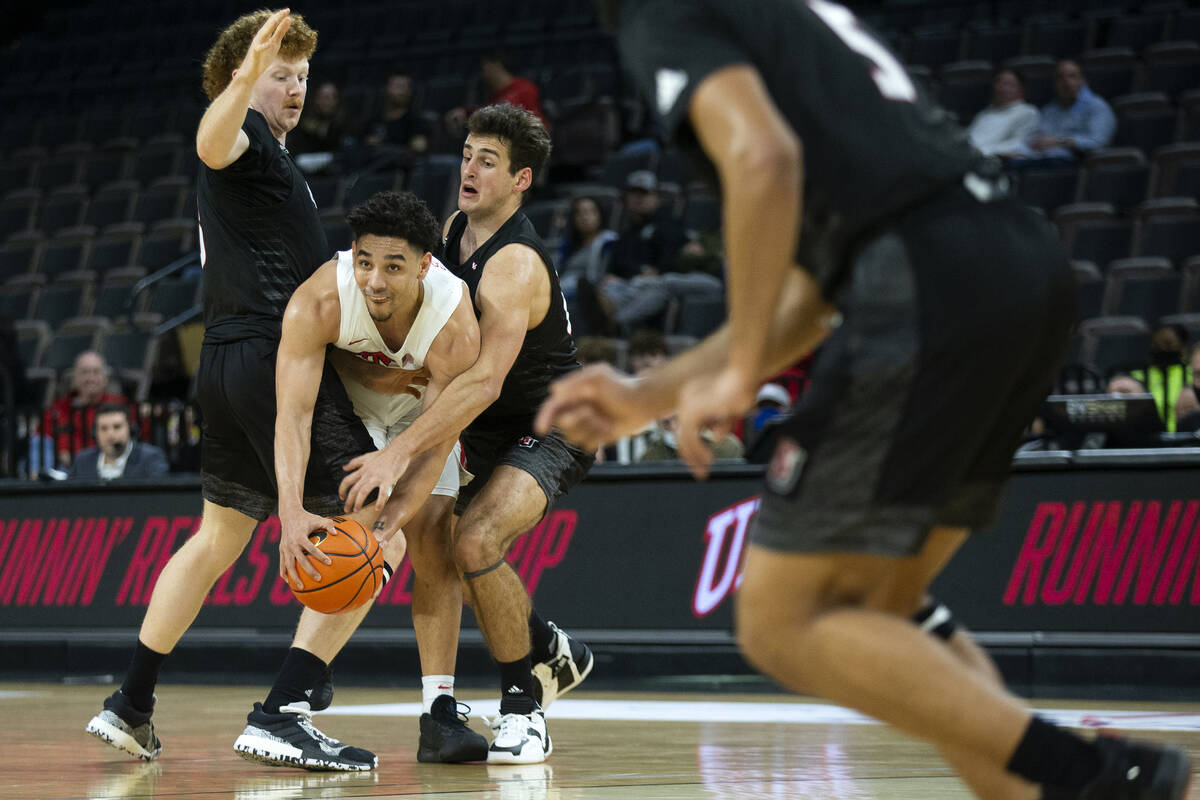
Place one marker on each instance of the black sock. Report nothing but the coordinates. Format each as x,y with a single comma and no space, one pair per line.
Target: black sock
1054,756
516,687
142,676
541,638
299,674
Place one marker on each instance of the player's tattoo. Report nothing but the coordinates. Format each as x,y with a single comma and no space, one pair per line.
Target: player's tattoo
380,524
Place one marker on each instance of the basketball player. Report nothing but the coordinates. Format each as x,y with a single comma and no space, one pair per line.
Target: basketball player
525,341
260,238
389,309
945,301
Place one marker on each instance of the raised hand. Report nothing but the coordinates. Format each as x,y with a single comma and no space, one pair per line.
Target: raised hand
593,406
265,47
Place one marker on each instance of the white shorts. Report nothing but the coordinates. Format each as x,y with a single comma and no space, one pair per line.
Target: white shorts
454,474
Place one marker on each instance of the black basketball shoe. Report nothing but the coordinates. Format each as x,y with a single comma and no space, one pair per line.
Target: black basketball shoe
569,663
445,737
289,739
1133,770
125,728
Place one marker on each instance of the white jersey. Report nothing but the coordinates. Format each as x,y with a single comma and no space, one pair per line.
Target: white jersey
385,415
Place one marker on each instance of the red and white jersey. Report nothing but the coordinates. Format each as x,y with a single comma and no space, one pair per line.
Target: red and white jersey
360,336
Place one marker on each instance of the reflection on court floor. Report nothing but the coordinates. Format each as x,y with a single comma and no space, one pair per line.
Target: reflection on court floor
607,746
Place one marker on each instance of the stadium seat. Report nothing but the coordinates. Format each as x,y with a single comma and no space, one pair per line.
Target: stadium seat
1090,284
1048,189
699,317
1168,227
162,199
113,249
1145,121
111,205
1118,176
15,173
173,297
436,182
1110,71
18,299
935,46
32,338
549,217
158,158
1099,240
58,302
1059,39
55,171
702,213
1147,287
360,187
130,350
1177,171
18,211
618,166
1136,30
64,253
1037,72
1172,67
101,167
19,255
1111,343
965,88
993,43
75,336
63,208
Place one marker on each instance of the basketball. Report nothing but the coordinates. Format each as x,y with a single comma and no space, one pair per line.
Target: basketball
356,571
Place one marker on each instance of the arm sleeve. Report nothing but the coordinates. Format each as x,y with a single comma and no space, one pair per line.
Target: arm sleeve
1102,124
1019,134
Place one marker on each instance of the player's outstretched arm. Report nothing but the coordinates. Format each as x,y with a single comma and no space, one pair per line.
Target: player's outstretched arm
310,323
452,353
596,404
220,139
504,298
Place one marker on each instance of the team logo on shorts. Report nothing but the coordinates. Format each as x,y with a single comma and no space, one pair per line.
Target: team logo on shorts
784,470
528,442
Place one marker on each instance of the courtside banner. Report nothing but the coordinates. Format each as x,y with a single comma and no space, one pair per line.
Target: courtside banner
1084,550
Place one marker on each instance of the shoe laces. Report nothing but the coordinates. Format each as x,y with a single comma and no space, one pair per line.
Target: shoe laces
509,724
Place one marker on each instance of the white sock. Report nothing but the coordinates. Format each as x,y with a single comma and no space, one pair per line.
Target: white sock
433,687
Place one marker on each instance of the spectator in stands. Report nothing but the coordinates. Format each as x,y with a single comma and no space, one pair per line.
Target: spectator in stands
117,454
70,420
1167,375
647,349
495,68
596,350
645,270
397,133
1004,127
586,249
1187,405
662,445
1075,123
322,129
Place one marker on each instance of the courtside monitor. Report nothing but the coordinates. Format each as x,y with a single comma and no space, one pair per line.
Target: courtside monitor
1128,414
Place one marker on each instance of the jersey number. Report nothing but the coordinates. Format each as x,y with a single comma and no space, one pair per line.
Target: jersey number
886,71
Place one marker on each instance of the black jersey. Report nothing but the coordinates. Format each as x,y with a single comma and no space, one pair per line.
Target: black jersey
873,143
260,237
548,350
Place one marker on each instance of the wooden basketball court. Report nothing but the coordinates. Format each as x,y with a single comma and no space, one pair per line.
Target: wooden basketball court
606,745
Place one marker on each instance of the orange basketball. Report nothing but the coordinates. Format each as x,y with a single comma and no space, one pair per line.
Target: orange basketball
356,571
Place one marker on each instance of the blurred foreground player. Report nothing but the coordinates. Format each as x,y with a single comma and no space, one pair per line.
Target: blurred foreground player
946,305
260,238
